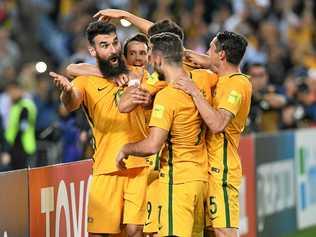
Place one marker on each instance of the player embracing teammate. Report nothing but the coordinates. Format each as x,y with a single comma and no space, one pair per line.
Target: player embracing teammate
186,123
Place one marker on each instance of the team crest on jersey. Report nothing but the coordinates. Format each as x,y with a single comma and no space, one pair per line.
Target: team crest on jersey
118,95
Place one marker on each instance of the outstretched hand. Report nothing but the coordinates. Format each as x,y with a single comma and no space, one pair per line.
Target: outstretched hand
61,82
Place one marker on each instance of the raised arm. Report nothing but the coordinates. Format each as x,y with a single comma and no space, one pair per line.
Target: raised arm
70,96
83,69
197,59
108,14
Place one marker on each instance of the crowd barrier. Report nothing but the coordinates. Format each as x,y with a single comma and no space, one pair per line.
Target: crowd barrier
277,196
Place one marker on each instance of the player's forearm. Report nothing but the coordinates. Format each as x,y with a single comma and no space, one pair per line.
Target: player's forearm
202,60
83,69
205,61
141,23
142,148
211,117
71,100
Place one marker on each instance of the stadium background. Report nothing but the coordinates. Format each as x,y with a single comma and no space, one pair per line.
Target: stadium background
278,195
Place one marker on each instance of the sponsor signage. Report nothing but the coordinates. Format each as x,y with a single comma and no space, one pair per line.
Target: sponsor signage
58,200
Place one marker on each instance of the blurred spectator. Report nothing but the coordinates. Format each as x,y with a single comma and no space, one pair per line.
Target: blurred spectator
27,77
4,155
72,148
281,55
48,31
9,53
267,102
292,111
46,103
20,132
277,54
308,100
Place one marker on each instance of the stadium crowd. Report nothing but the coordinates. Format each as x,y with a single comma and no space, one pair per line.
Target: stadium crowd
281,60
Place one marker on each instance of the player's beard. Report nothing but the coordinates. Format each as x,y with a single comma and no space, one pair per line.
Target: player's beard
161,75
109,70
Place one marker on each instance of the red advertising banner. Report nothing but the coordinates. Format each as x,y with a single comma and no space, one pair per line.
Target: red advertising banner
58,199
247,189
14,217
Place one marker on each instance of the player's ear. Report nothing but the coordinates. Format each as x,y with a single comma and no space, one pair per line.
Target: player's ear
159,61
222,54
92,51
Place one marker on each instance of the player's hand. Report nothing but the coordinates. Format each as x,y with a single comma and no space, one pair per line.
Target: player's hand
196,59
187,85
140,96
108,14
120,164
61,82
121,80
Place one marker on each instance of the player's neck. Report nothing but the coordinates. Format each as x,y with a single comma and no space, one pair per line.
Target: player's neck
173,73
227,69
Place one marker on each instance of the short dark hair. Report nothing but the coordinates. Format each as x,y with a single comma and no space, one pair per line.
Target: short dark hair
170,45
166,25
138,38
99,28
233,44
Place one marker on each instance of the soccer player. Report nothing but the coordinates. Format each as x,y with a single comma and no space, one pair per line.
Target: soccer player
151,223
153,84
136,50
115,197
226,121
176,122
136,53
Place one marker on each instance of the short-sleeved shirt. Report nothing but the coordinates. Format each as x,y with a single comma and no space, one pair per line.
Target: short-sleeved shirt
111,129
233,94
184,158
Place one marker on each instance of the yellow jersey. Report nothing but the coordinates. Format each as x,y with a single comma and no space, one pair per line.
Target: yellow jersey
185,157
233,94
111,129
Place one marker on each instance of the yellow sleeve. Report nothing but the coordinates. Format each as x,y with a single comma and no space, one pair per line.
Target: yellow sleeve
212,78
162,113
79,83
231,97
